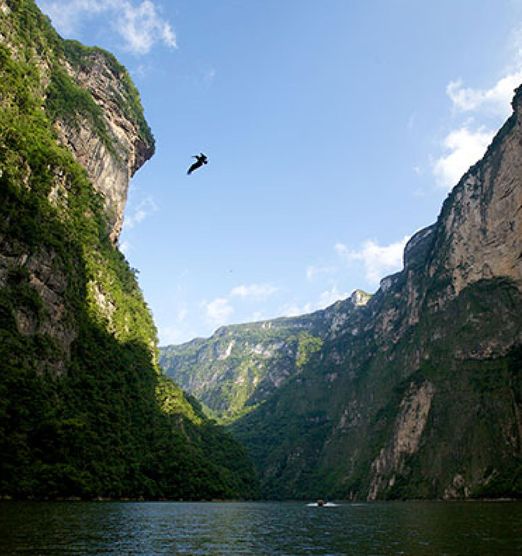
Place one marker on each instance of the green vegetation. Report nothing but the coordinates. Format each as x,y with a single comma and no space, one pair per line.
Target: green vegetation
318,434
70,103
36,40
84,410
240,366
82,57
307,345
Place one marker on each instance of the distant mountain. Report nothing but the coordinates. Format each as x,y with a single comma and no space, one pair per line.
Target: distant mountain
416,393
241,366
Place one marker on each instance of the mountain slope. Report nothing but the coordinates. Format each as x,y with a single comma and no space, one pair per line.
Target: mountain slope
84,410
241,366
424,400
418,393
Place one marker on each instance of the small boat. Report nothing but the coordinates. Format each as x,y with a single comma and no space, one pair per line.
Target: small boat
322,504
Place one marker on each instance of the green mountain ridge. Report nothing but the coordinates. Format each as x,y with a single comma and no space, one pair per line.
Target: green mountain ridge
415,394
241,366
84,408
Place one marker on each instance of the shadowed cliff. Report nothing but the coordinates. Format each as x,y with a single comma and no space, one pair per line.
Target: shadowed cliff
84,409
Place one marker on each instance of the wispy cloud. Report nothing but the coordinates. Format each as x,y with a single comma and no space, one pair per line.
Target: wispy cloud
218,311
378,260
255,291
143,209
467,143
139,24
463,148
496,99
326,298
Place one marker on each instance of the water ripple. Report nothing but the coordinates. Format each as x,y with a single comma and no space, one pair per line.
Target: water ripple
116,528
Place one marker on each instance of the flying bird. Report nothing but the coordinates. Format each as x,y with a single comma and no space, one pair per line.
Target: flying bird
200,160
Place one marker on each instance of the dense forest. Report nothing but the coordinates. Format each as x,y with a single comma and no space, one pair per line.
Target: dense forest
84,408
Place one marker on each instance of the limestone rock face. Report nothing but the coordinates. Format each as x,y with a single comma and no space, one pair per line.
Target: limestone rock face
109,169
480,231
112,158
408,429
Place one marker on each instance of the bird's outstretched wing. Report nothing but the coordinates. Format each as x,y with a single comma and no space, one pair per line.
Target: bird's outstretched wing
194,166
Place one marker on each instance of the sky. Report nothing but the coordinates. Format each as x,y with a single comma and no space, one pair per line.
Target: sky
334,130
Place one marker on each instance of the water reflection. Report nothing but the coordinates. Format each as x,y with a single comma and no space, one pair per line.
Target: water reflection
412,528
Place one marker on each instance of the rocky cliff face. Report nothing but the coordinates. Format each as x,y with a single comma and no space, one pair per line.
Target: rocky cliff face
105,130
84,410
110,165
418,392
96,113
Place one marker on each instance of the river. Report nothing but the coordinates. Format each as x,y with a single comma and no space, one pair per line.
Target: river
261,528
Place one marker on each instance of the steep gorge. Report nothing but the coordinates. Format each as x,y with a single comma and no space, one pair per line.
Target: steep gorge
84,408
418,392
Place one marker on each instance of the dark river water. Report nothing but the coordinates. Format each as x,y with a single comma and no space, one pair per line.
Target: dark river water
412,528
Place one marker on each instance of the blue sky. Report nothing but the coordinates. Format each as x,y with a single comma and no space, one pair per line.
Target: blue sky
334,131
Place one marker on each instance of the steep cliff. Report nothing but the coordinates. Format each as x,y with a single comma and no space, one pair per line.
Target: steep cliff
417,393
84,409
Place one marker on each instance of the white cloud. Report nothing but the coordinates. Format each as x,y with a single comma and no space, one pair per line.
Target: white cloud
465,148
256,291
67,15
139,24
145,208
378,260
497,99
467,143
326,298
218,310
